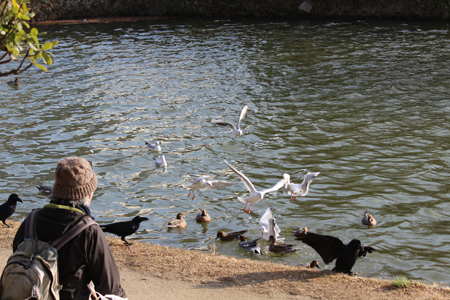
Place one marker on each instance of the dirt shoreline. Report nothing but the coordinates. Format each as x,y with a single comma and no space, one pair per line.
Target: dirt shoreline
151,271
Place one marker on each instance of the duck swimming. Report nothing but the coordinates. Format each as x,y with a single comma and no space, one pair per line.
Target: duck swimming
14,83
280,248
203,217
45,189
230,236
179,222
250,246
368,219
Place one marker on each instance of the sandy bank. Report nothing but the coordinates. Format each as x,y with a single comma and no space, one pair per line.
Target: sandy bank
150,271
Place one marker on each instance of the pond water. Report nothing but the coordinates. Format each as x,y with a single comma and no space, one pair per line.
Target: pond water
364,103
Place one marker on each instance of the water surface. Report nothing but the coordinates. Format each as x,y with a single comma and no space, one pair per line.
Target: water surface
364,103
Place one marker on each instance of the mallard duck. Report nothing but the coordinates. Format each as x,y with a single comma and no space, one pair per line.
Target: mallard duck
231,236
45,189
203,216
313,264
14,83
280,248
179,222
250,246
368,219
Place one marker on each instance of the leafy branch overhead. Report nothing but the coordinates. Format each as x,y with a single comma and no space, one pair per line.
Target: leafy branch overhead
17,46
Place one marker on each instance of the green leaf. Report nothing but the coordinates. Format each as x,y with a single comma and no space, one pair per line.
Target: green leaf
48,60
40,66
47,46
34,31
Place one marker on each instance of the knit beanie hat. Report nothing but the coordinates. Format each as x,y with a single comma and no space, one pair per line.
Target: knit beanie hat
74,179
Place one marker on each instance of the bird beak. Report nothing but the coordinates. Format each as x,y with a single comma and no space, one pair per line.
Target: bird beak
20,200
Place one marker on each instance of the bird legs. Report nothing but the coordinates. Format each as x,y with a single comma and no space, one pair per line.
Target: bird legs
193,193
126,242
6,224
250,208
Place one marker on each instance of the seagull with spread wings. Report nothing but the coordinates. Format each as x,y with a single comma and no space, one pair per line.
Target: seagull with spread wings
236,129
255,196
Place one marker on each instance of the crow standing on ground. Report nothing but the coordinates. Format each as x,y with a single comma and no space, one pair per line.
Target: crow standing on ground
9,207
124,229
330,247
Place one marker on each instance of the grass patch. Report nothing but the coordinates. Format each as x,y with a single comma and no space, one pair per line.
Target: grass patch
401,282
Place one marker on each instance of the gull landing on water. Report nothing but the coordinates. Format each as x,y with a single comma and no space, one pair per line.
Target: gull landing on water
255,196
162,163
235,129
294,189
202,183
269,225
154,147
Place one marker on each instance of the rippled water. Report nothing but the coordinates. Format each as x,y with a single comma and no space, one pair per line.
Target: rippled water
366,104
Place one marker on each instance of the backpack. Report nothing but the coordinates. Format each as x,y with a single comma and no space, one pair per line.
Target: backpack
32,271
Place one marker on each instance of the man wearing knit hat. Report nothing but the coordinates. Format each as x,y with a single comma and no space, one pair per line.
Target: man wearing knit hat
87,256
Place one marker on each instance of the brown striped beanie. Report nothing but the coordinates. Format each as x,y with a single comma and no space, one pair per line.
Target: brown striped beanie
74,179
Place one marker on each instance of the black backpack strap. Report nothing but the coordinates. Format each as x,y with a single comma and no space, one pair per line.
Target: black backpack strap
81,225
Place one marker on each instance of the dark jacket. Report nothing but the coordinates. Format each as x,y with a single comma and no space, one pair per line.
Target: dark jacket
86,257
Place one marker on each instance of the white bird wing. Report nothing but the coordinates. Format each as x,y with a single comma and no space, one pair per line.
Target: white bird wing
268,225
200,179
217,184
157,163
275,187
244,179
287,183
243,113
264,221
307,179
223,123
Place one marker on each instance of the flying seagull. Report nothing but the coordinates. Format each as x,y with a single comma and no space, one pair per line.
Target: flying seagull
236,129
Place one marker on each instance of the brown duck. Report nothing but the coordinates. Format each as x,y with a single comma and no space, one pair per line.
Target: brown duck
280,248
368,219
179,222
231,236
203,217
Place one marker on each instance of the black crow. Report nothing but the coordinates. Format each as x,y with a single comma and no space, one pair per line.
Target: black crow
330,248
124,229
9,207
45,189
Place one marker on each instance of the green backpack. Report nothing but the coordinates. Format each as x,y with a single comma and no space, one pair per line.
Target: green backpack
32,271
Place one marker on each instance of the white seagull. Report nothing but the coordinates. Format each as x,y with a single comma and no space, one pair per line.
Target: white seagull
269,225
162,163
255,196
202,183
236,129
154,147
294,189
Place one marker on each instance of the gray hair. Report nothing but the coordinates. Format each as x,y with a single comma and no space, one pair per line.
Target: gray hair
71,202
